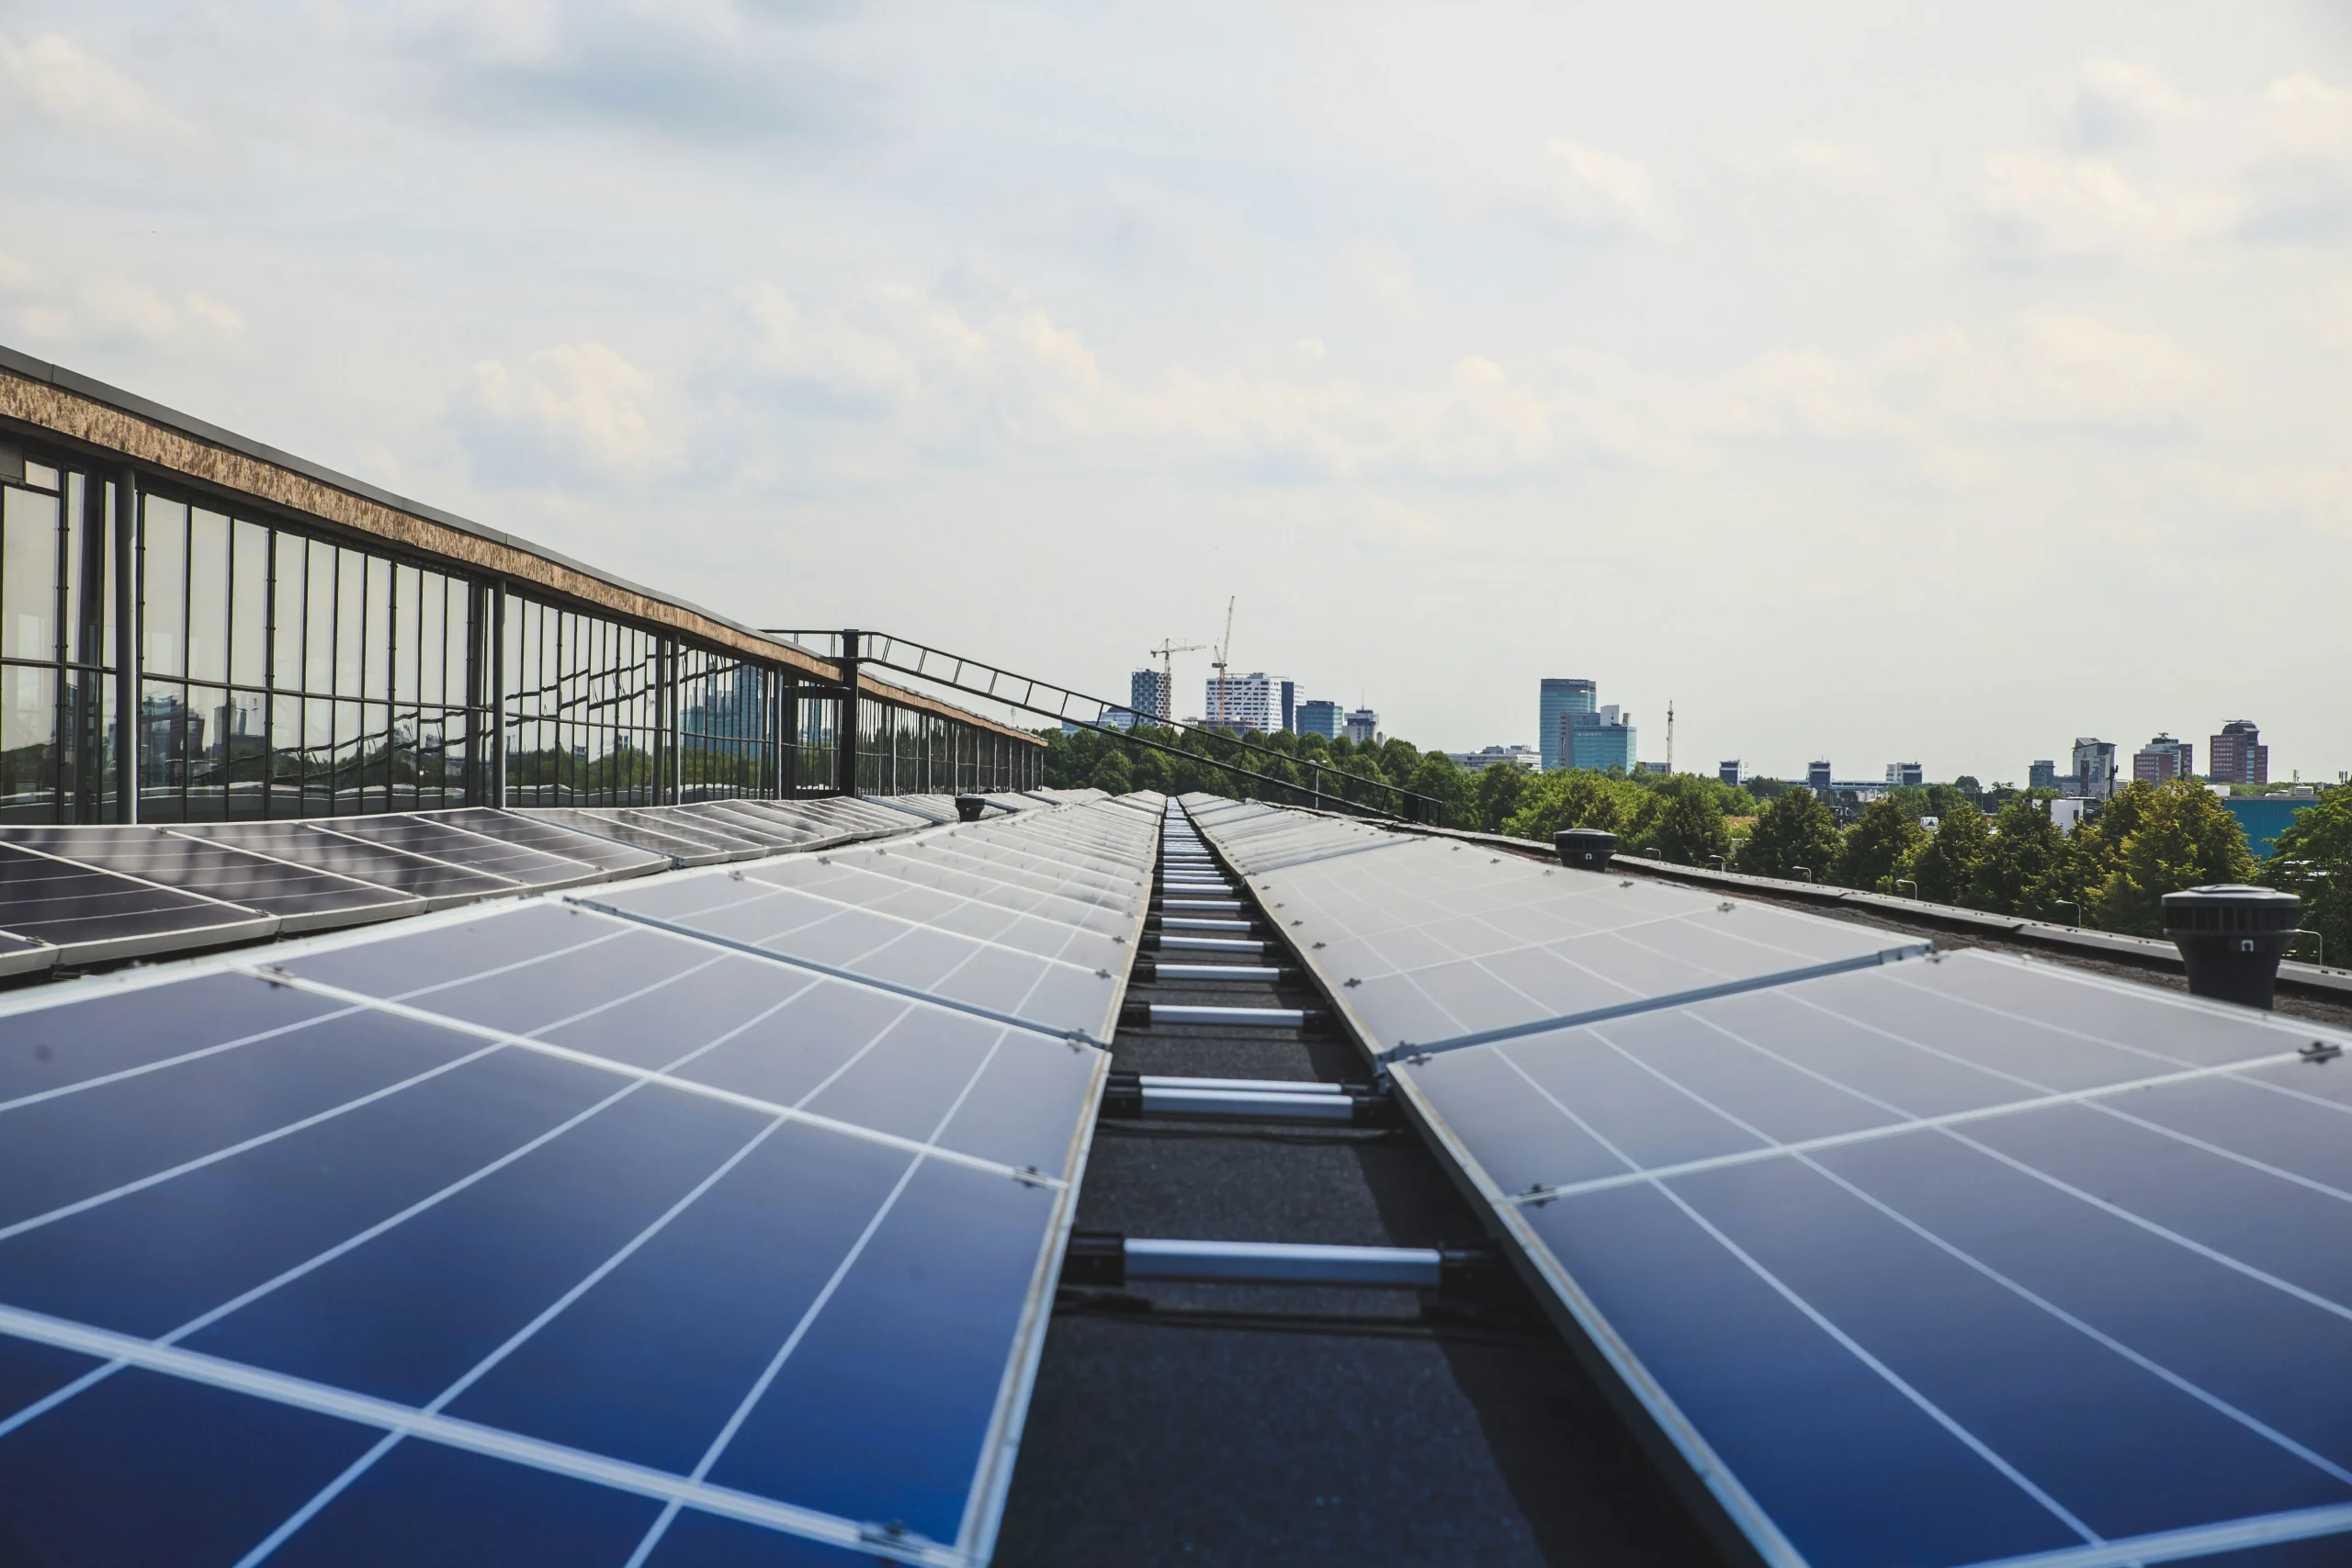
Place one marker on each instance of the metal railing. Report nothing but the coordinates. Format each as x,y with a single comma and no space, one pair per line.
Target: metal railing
976,678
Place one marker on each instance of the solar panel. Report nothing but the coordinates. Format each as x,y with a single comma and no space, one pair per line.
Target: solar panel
1964,1260
525,1233
450,843
301,898
384,865
601,850
89,916
653,829
917,919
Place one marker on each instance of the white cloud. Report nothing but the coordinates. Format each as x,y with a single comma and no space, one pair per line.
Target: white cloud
2053,371
2034,203
77,308
2114,104
70,89
575,409
1837,164
1587,192
1379,275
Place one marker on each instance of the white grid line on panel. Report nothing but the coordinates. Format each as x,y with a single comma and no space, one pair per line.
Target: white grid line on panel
665,1077
1988,1272
490,1442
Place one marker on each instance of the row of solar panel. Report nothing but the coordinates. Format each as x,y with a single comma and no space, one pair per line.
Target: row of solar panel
71,896
709,1220
1946,1260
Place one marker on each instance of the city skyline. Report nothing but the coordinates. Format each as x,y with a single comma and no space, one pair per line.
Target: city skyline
1843,395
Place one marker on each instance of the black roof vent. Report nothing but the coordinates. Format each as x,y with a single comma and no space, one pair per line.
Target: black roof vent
969,807
2230,938
1587,849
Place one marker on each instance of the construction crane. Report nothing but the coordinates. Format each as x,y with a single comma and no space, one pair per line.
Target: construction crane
1223,648
1166,652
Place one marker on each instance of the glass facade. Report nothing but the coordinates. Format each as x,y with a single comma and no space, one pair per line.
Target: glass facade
283,671
285,675
56,645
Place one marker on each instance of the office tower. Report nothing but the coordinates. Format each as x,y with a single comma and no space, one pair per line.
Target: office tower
1559,696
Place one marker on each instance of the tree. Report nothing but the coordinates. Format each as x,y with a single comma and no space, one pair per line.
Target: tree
2313,858
1952,800
1690,829
2008,877
1794,836
1113,775
1887,834
1436,777
1497,793
2184,836
1940,867
1570,798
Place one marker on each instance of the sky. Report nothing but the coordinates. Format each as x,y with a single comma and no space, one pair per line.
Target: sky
1872,381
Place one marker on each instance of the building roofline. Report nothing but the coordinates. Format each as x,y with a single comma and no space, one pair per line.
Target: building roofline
82,411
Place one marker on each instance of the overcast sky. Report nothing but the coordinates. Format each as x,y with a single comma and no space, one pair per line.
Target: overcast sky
1934,382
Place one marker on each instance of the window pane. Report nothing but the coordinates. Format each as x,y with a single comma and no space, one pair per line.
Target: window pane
86,747
318,620
286,663
208,596
28,574
244,753
432,635
27,742
454,660
162,606
379,628
164,743
207,750
318,757
407,594
249,606
286,753
89,558
350,620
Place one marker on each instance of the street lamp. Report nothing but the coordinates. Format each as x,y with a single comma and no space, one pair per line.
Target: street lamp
1900,881
1806,869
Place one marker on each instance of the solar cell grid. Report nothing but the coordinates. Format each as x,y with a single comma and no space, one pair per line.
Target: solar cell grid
381,864
301,898
1957,1262
600,851
89,916
453,1181
455,844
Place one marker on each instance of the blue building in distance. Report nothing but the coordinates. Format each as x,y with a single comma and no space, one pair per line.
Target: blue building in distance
1598,740
1325,719
1561,696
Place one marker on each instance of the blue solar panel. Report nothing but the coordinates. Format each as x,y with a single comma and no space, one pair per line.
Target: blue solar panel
526,1234
1947,1261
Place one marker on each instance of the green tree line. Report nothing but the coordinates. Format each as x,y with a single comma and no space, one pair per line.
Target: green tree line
2111,873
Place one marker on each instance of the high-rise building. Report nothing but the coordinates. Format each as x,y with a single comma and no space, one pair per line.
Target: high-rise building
1364,726
1250,702
1560,696
1899,774
1728,772
1289,706
2094,768
1817,775
2163,760
1598,740
2041,774
2238,755
1318,717
1148,695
